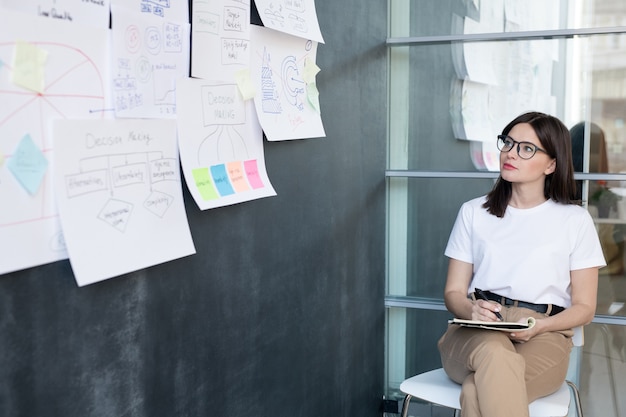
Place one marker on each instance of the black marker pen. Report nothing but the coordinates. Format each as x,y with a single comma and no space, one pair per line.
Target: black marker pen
480,294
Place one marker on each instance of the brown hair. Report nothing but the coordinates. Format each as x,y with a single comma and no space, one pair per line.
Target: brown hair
555,140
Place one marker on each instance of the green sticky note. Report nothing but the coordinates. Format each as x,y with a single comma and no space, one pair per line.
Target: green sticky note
244,82
204,183
29,66
310,71
313,96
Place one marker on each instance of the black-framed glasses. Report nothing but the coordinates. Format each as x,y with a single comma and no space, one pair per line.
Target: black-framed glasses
525,150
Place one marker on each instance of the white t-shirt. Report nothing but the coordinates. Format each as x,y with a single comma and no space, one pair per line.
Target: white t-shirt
527,254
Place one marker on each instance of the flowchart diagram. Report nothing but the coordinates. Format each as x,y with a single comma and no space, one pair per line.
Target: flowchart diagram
119,180
221,144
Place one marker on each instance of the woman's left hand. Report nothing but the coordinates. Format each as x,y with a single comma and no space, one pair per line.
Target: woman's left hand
523,335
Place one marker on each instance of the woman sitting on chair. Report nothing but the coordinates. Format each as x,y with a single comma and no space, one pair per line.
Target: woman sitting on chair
536,253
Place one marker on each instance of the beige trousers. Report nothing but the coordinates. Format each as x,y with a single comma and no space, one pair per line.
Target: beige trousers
500,378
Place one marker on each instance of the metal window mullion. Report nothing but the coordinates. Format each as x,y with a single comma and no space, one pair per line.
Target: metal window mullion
504,36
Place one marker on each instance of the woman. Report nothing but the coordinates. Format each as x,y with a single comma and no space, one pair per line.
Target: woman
535,252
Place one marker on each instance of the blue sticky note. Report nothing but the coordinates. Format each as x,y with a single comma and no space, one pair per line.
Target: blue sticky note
221,180
28,165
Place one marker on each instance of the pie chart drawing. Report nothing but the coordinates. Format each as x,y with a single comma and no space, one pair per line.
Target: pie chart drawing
74,88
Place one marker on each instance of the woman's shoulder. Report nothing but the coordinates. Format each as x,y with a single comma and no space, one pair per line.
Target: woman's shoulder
570,210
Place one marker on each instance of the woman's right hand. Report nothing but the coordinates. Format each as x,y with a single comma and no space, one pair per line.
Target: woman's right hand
485,310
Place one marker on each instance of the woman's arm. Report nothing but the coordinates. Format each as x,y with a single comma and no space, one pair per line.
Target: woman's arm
455,294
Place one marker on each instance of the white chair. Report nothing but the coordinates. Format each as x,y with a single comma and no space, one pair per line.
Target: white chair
435,387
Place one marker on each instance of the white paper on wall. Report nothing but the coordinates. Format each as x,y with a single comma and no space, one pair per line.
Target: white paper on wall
74,80
286,97
220,38
221,144
119,195
149,55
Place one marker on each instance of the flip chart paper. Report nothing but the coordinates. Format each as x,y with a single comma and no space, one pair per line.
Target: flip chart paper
75,86
119,194
221,144
295,17
149,54
91,13
286,105
220,38
177,10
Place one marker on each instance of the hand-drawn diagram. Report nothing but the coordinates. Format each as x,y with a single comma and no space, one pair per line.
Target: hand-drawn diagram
176,10
117,175
164,8
295,17
91,13
119,180
277,69
74,87
221,144
220,29
150,54
225,114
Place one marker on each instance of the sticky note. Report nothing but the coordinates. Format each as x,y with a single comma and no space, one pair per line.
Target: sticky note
221,180
1,159
237,177
310,71
313,96
205,186
28,165
244,82
29,66
252,172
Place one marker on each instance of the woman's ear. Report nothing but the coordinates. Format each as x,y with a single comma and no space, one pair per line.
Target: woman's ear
551,167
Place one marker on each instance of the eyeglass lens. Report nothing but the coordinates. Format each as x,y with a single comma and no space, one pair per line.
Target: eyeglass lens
525,150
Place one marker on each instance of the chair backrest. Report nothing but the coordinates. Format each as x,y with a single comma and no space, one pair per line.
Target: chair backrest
579,336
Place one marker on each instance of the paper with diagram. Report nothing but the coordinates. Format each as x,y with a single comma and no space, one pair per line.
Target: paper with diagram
149,54
88,13
282,70
295,17
220,44
221,144
48,70
119,195
177,10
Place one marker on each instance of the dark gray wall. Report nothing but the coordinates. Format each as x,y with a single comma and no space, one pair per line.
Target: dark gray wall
280,312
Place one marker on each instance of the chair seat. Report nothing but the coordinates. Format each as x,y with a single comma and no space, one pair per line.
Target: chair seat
435,387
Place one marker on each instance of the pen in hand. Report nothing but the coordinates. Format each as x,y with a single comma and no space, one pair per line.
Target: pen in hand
480,294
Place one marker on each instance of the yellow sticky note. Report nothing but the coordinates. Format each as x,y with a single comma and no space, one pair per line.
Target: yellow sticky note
28,66
310,71
313,96
1,159
244,82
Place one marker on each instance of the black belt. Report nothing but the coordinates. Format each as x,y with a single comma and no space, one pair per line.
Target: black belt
550,309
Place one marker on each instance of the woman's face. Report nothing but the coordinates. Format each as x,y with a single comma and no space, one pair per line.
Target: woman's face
517,170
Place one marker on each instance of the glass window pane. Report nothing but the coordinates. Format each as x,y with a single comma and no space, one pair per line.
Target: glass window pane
435,108
602,370
412,346
453,17
418,235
